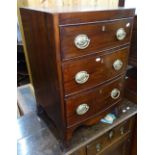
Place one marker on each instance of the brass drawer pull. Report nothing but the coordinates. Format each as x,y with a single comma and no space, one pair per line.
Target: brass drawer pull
82,109
81,77
120,34
111,134
98,147
115,93
117,64
82,41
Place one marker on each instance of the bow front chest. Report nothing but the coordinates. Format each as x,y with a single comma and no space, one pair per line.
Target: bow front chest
78,59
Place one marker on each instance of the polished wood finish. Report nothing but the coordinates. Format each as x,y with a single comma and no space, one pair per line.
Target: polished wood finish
99,72
121,147
133,49
44,61
45,46
82,15
134,139
100,96
108,144
131,85
36,133
100,38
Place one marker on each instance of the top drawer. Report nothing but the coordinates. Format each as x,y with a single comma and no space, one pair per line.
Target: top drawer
80,40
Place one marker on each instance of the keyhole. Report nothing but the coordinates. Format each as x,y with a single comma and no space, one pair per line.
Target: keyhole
102,61
100,91
103,28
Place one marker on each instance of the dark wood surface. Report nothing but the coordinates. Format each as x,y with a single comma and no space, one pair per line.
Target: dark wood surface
38,136
45,47
117,147
120,147
99,96
134,139
99,72
133,49
94,14
44,62
131,85
107,142
82,14
99,40
37,133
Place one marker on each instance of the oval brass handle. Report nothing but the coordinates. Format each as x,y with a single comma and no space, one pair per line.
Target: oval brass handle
82,41
98,147
115,93
81,77
117,64
82,109
120,34
111,134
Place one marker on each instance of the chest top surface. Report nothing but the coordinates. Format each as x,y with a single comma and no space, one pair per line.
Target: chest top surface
84,14
77,9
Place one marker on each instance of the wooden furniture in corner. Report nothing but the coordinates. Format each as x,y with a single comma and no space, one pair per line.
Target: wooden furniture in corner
78,59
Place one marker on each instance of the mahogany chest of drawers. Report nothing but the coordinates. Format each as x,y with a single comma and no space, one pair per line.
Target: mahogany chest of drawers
78,59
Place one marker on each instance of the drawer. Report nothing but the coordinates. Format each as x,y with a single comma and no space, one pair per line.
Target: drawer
80,40
112,136
82,74
83,106
117,132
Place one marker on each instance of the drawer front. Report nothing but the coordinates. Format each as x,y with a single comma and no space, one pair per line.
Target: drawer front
108,138
86,39
81,107
118,132
82,74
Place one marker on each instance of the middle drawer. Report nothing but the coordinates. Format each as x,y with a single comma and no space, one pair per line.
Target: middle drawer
85,73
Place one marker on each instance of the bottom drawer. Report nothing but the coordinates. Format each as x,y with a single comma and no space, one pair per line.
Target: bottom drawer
85,105
112,136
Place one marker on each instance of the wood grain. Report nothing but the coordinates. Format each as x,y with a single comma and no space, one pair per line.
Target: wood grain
99,40
98,99
44,62
133,49
49,71
104,141
96,14
99,72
